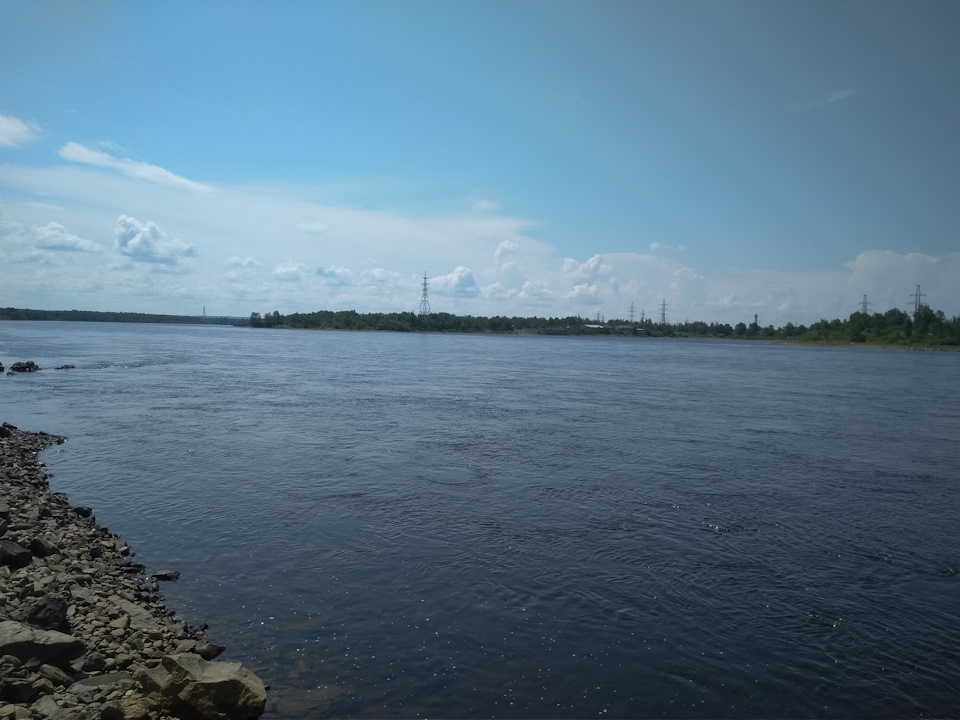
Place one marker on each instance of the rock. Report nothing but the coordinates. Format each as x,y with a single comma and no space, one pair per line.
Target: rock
111,710
65,367
208,650
24,367
47,613
83,511
41,547
165,575
18,691
14,555
45,707
192,688
134,706
55,675
30,644
94,662
74,605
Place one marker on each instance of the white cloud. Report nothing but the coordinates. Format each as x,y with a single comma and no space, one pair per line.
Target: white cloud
459,283
290,271
53,236
14,132
74,152
146,242
380,276
499,266
335,275
505,250
235,261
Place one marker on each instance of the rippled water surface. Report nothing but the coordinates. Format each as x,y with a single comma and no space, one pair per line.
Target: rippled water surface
394,525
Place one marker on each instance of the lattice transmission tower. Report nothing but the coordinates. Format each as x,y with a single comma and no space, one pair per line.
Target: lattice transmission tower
917,299
864,305
424,300
663,312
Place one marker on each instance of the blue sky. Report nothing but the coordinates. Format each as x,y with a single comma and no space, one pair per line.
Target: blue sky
533,158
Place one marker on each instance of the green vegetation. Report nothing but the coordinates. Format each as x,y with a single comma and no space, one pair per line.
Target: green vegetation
127,317
924,328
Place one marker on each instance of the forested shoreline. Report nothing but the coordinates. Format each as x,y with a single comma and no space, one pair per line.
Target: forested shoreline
923,328
122,317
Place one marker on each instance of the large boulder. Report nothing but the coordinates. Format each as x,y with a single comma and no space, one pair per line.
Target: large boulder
48,612
191,688
42,646
14,555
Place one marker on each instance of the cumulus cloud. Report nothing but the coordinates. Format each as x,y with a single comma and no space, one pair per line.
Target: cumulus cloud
75,152
585,293
146,242
14,132
587,269
53,236
235,261
459,283
335,275
380,276
290,271
505,250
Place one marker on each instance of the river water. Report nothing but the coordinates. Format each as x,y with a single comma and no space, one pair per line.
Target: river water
406,525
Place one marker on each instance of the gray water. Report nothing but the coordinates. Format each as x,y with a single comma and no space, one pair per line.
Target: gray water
400,525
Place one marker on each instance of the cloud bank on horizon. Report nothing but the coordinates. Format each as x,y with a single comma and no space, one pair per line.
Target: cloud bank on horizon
658,158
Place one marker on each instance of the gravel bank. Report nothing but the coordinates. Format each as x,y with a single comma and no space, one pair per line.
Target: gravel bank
82,633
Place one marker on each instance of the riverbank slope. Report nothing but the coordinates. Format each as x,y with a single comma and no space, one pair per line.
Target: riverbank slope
82,635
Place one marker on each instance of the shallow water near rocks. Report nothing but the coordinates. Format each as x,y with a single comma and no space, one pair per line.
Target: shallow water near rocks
394,525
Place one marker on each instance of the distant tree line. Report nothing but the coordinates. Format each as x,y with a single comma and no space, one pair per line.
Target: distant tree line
95,316
925,327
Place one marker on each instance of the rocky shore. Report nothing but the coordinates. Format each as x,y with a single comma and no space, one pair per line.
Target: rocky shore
82,634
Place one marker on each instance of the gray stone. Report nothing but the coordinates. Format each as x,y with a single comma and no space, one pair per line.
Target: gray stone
43,646
47,613
18,691
121,680
208,650
191,688
165,575
45,707
14,555
41,547
55,675
4,524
